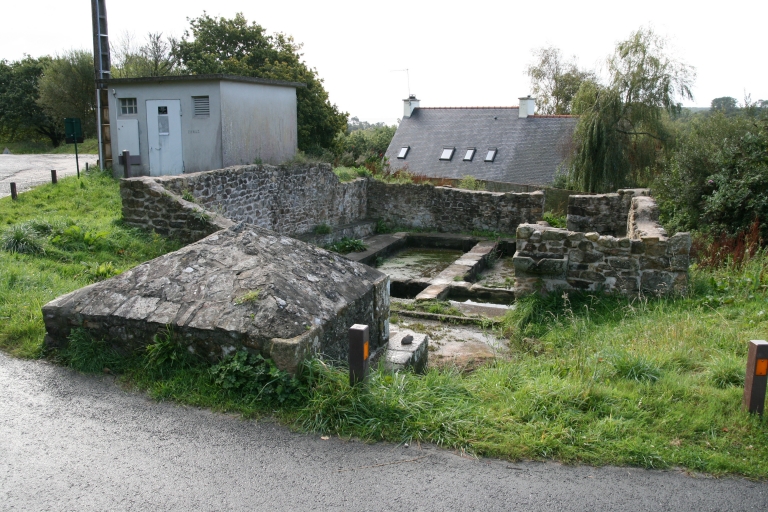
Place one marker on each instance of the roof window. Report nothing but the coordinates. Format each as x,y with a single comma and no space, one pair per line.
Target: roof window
403,152
490,156
469,155
447,153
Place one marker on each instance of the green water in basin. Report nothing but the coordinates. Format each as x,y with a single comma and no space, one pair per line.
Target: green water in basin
416,262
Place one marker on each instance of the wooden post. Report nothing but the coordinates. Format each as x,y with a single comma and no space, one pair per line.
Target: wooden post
127,163
359,352
54,180
14,195
756,378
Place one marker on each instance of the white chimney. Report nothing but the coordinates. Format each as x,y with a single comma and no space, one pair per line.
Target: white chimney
409,105
527,106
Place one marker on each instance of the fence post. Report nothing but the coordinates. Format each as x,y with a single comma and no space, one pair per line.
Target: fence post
14,195
756,378
127,163
54,180
359,352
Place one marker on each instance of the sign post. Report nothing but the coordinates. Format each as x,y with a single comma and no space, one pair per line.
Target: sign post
358,353
73,133
757,377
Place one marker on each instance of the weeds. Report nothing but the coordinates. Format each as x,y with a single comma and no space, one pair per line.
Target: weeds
347,245
554,220
322,229
21,239
248,297
470,183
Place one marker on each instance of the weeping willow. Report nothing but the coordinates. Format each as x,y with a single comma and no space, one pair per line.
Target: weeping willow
621,132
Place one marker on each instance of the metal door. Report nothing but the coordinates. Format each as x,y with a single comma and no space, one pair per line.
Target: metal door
164,133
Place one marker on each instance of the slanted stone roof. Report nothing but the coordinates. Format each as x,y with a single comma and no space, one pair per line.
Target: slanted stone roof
529,149
242,287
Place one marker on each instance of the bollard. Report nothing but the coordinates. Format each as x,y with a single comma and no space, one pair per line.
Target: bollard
14,195
756,378
359,351
86,166
127,163
53,177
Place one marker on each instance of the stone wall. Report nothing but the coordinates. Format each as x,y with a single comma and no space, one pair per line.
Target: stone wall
452,210
603,213
646,261
295,200
147,204
288,200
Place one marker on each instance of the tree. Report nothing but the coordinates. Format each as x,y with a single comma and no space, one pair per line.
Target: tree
153,58
220,45
21,117
67,89
555,81
621,131
726,104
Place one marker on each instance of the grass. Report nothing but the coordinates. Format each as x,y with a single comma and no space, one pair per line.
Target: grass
55,239
649,382
89,146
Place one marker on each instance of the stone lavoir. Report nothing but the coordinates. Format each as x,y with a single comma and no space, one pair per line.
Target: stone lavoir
246,280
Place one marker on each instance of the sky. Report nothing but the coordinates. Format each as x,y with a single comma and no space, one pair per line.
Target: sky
456,53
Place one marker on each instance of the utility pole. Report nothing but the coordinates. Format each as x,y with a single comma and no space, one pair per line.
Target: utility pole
101,62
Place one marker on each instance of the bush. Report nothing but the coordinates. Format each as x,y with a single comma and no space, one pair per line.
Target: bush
471,183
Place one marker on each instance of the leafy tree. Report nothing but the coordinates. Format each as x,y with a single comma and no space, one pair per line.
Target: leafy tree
621,131
220,45
718,176
555,81
725,104
67,89
153,58
365,144
21,117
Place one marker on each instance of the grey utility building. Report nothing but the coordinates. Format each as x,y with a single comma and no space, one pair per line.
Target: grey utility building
182,124
509,144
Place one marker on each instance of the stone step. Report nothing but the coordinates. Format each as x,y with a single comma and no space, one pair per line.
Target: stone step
413,356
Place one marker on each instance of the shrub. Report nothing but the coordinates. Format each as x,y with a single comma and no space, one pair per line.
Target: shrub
471,183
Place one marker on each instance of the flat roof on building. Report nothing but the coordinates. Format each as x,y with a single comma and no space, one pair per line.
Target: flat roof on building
200,78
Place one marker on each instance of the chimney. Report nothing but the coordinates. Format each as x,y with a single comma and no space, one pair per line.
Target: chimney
409,105
527,106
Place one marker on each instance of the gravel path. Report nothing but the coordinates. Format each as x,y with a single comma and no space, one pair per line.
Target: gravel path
28,171
74,442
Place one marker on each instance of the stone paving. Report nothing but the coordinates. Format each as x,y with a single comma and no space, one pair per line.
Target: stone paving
29,171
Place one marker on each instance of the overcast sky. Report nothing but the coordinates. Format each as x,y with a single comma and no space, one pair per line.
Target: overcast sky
457,53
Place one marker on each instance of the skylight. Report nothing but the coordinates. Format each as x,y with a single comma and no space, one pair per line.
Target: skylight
403,151
447,153
469,155
490,155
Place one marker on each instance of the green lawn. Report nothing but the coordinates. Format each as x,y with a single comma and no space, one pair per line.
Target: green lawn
648,382
89,146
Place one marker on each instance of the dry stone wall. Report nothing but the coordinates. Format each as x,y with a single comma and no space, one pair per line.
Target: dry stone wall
645,261
452,210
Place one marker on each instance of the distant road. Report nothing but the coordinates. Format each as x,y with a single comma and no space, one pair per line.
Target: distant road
74,442
28,171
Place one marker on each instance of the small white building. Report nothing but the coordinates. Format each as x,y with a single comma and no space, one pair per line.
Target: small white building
182,124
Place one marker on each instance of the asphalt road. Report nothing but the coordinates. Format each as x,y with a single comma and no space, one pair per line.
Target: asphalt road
75,442
28,171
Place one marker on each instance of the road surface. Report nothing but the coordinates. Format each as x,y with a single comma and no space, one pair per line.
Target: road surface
28,171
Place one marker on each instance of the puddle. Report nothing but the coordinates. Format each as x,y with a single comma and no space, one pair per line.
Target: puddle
500,275
417,262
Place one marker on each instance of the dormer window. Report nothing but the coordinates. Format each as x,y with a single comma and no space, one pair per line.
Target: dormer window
490,156
447,153
469,155
403,152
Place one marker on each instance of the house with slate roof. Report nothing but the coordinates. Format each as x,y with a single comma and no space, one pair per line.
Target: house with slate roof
508,144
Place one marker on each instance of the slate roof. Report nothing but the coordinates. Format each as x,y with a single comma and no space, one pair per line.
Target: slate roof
529,149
